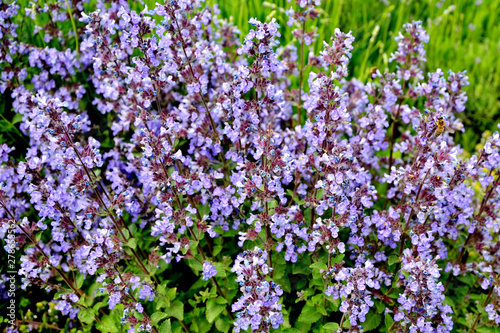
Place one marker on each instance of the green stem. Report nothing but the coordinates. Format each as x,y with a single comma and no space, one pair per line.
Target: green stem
486,301
74,26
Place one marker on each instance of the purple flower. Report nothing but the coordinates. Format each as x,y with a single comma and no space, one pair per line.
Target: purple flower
258,307
114,299
209,271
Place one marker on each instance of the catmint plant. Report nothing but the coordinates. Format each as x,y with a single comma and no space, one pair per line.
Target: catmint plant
179,176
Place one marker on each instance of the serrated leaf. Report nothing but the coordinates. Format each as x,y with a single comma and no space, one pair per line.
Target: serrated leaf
318,265
372,321
292,330
300,268
221,269
86,316
322,310
394,294
79,281
176,310
157,316
279,271
309,314
98,305
195,266
108,325
213,310
469,280
273,203
161,302
392,260
331,326
166,327
449,301
125,233
217,249
203,325
162,289
285,284
487,330
171,294
388,321
221,300
222,325
132,243
338,259
380,307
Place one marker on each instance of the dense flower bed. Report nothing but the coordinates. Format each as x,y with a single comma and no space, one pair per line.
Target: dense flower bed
162,148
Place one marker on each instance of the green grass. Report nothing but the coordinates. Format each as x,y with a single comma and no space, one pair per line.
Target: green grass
463,36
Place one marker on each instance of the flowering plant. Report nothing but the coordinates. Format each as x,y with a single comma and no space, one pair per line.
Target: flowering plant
179,179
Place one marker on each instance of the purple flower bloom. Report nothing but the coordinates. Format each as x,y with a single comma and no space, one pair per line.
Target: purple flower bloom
209,271
258,308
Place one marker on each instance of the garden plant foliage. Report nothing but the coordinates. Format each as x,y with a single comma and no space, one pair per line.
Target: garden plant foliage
182,177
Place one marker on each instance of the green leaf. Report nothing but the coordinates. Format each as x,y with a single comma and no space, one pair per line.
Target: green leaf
285,284
79,281
203,325
449,301
292,330
17,118
331,326
176,310
166,327
338,259
86,316
388,320
108,324
222,325
213,310
273,204
280,270
380,307
469,280
132,243
392,260
300,267
157,316
322,310
318,265
309,314
125,233
161,302
221,269
204,210
221,300
487,330
217,249
372,321
394,294
162,289
171,294
195,266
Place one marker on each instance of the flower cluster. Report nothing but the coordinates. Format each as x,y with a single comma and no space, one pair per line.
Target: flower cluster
258,308
421,304
160,142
